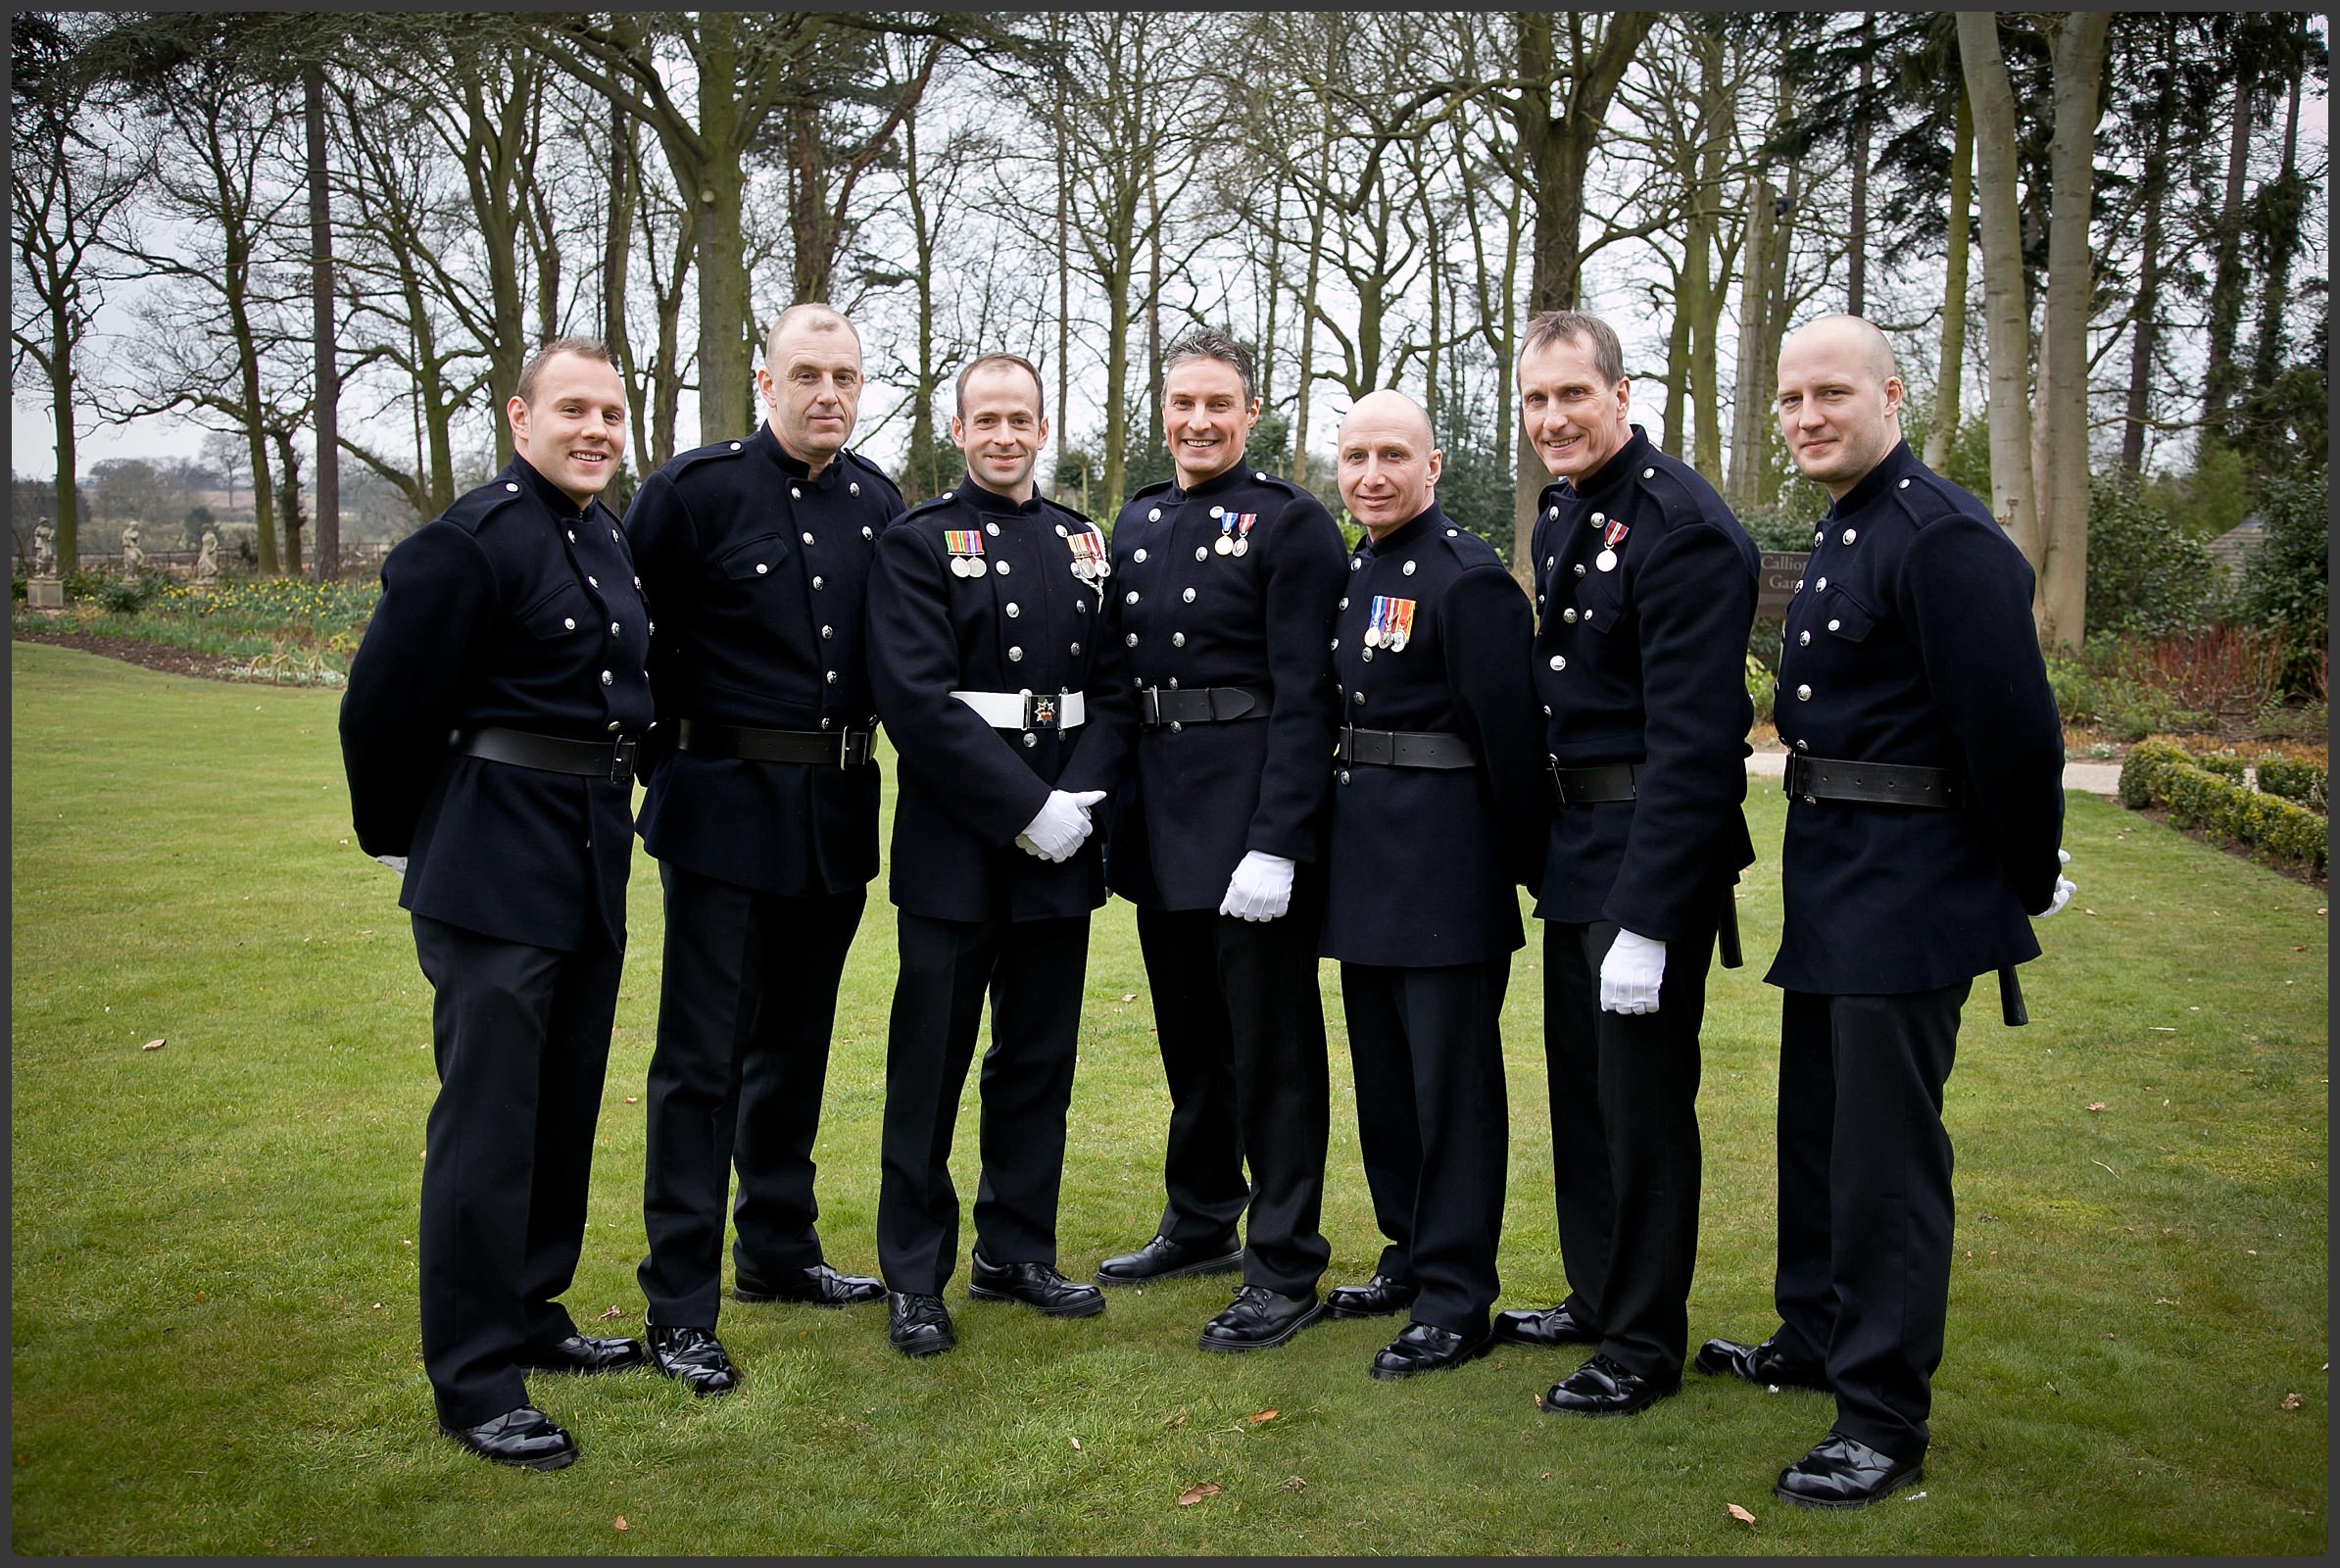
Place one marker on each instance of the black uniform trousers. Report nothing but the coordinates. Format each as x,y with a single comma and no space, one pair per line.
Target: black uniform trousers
1242,1025
1865,1208
1433,1126
521,1038
1034,971
1626,1167
745,1014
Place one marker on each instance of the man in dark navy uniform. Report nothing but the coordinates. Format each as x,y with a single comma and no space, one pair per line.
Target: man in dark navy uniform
1645,592
1225,578
1925,803
763,816
996,679
1437,818
489,733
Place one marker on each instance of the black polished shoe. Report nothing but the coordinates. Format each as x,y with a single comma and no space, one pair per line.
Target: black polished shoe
581,1352
818,1285
1036,1285
525,1437
1260,1318
1544,1328
694,1357
1379,1296
918,1325
1843,1471
1427,1348
1764,1364
1602,1386
1165,1260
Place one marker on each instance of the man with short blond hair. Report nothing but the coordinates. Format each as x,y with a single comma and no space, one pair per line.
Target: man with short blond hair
1925,801
489,734
761,812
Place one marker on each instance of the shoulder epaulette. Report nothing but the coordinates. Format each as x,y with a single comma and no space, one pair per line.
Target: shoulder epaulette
1468,547
866,466
1156,488
474,507
709,452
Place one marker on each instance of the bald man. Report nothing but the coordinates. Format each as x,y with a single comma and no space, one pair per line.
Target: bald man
761,812
1925,803
1437,816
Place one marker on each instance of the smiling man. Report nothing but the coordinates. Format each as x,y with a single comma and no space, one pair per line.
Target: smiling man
1223,583
1924,799
1436,817
489,733
1644,593
1010,713
761,812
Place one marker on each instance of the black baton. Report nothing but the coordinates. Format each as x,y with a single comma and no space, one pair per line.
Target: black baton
2011,999
1726,932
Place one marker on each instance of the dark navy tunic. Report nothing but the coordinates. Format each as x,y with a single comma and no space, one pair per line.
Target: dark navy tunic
1203,794
1910,641
1026,622
512,610
1644,661
760,573
1423,861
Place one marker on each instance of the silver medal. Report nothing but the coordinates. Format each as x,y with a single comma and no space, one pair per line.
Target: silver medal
1241,546
1225,546
1606,561
1373,636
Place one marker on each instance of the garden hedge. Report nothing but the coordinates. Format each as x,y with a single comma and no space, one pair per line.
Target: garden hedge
2156,773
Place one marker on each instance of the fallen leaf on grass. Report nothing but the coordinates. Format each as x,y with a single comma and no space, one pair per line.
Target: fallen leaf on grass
1129,996
614,1311
154,1045
1258,1416
1076,1442
2291,1402
633,1100
1177,1420
1197,1493
1741,1514
1295,1484
2098,1105
619,1523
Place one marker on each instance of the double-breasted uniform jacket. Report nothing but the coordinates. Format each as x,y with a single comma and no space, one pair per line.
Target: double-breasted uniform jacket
1016,619
510,610
1258,615
1910,641
1423,860
760,572
1644,593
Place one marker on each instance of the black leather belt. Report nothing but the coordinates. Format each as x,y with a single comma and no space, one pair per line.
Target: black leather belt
611,759
1197,704
1588,786
1828,778
837,749
1404,747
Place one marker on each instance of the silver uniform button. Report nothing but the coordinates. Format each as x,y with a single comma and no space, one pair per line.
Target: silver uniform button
569,623
1569,614
1178,639
827,633
1554,514
1015,656
607,679
1000,568
1129,638
613,628
1905,484
1356,563
1803,694
613,727
1012,609
992,528
595,582
1803,746
1803,639
832,677
818,584
1177,728
1344,601
572,536
1818,534
1063,532
1820,586
1559,661
1138,555
1155,516
945,495
1834,625
508,486
794,494
1451,532
868,532
615,536
809,538
824,724
1408,569
1548,709
1076,650
1649,473
1218,510
1850,534
735,446
1598,519
761,568
1129,598
1031,739
1189,596
1344,775
1588,617
1580,569
1799,586
854,489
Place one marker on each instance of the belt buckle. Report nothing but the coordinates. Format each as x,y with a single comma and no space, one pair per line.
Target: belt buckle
621,760
855,749
1149,706
1040,711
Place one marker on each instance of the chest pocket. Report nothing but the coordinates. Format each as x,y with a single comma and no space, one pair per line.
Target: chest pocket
563,613
1600,599
759,557
1846,618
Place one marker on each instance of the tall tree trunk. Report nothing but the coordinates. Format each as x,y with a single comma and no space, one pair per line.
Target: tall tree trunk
1152,399
1950,389
1750,404
1300,465
1715,110
1678,356
1856,261
61,410
626,181
328,374
1065,292
2285,204
289,498
2147,311
2060,469
919,479
2007,323
726,357
2227,280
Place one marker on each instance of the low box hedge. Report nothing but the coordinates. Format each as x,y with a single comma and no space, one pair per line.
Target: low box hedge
2304,782
2156,773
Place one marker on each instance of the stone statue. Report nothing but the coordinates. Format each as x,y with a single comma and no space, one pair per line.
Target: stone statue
207,559
44,550
132,558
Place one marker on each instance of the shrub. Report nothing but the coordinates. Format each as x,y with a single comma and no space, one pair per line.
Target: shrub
2156,773
1761,686
2079,700
2145,575
2286,585
18,586
126,596
2304,782
2226,765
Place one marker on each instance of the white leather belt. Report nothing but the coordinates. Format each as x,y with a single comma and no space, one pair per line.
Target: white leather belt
1027,709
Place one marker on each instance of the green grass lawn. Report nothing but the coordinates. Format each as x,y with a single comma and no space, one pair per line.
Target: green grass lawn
214,1344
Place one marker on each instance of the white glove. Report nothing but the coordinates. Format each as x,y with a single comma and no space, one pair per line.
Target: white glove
1260,889
1630,976
1061,826
396,862
2064,887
